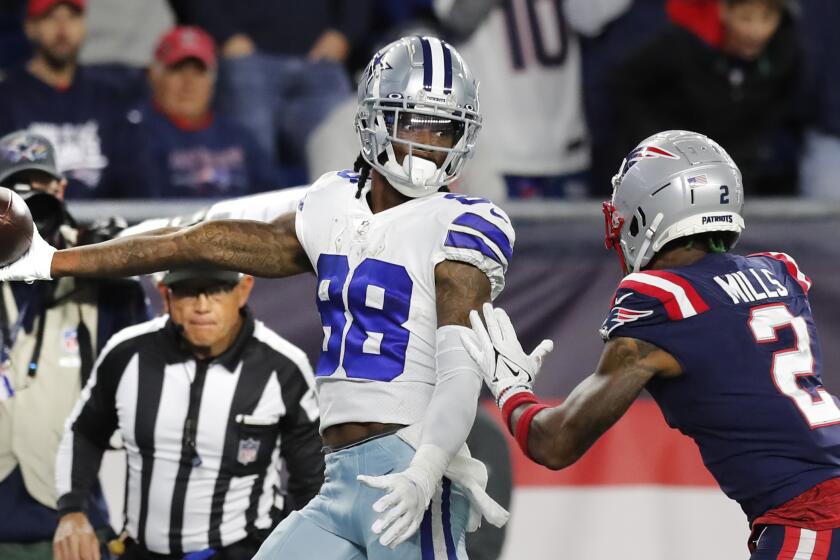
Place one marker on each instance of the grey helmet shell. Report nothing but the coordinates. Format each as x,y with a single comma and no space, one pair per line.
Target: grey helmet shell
419,75
671,185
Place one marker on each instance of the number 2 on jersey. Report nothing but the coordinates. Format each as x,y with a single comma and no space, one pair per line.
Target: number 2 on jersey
791,364
378,301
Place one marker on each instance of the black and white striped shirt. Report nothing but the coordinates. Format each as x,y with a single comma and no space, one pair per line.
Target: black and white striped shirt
203,439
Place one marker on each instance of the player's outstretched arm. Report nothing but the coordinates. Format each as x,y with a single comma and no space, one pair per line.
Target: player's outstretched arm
557,437
260,249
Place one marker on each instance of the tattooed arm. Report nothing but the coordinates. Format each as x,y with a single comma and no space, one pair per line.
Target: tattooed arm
260,249
459,289
559,436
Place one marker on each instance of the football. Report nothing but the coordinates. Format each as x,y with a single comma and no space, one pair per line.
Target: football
16,226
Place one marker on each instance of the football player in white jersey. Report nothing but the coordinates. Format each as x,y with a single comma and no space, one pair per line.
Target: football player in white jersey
400,263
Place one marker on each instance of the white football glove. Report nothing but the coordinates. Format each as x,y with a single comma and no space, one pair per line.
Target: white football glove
34,265
506,368
407,495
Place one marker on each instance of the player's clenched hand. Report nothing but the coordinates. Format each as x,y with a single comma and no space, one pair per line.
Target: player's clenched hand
407,495
507,369
74,539
35,264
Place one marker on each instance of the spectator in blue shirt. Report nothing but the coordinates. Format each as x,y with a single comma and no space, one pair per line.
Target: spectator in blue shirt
89,122
191,151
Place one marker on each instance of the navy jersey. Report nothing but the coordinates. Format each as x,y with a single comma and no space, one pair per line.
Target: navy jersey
220,159
91,124
750,395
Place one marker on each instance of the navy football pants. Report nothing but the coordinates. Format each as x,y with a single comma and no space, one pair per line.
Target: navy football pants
778,542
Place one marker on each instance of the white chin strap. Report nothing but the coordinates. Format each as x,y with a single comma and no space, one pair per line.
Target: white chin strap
651,231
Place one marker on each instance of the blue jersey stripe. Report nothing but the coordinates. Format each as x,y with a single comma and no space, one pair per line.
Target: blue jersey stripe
462,240
427,64
447,68
490,230
446,520
427,546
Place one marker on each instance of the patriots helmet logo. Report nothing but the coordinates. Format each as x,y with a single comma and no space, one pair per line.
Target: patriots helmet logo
619,316
645,152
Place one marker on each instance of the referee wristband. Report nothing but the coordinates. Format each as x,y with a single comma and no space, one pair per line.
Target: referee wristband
523,427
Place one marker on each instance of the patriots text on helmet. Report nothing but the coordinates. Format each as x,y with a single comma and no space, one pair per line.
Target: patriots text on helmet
718,219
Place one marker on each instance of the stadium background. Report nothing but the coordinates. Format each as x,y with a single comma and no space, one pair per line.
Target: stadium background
641,492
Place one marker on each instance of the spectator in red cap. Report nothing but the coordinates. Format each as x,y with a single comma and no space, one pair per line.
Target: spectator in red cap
190,151
87,120
183,75
39,8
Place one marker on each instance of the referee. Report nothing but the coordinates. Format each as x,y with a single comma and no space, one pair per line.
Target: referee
207,401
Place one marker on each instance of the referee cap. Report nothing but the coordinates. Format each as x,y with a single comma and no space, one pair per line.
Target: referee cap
199,273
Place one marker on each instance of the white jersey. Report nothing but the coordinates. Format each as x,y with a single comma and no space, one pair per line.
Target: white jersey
526,56
376,291
531,94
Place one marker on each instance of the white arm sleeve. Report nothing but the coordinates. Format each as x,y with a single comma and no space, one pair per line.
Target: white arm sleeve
262,207
451,412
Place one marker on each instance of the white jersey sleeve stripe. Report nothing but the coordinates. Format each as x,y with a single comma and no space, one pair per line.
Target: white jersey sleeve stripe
474,242
794,269
686,308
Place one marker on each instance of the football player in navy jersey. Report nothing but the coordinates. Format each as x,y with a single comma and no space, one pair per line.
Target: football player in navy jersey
710,334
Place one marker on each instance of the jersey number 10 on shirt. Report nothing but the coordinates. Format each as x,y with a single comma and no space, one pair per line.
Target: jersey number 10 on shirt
374,344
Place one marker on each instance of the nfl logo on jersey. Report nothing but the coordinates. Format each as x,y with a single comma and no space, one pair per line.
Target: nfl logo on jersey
70,341
248,449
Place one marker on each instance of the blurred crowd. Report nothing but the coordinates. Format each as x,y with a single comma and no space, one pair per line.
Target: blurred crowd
216,99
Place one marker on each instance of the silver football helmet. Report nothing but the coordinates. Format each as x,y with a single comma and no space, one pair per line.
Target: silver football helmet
674,184
417,82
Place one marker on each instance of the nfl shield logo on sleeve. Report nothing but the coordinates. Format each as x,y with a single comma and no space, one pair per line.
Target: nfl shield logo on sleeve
248,449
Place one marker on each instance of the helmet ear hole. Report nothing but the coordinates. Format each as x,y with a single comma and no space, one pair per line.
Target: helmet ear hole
634,226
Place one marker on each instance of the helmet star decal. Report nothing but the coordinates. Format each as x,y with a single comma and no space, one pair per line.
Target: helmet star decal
25,151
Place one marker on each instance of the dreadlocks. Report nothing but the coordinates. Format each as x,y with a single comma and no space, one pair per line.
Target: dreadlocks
363,168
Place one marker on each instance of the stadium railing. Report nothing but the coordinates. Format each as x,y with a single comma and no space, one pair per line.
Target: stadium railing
134,211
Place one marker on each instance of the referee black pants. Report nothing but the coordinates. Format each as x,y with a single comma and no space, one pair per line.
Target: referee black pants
242,550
